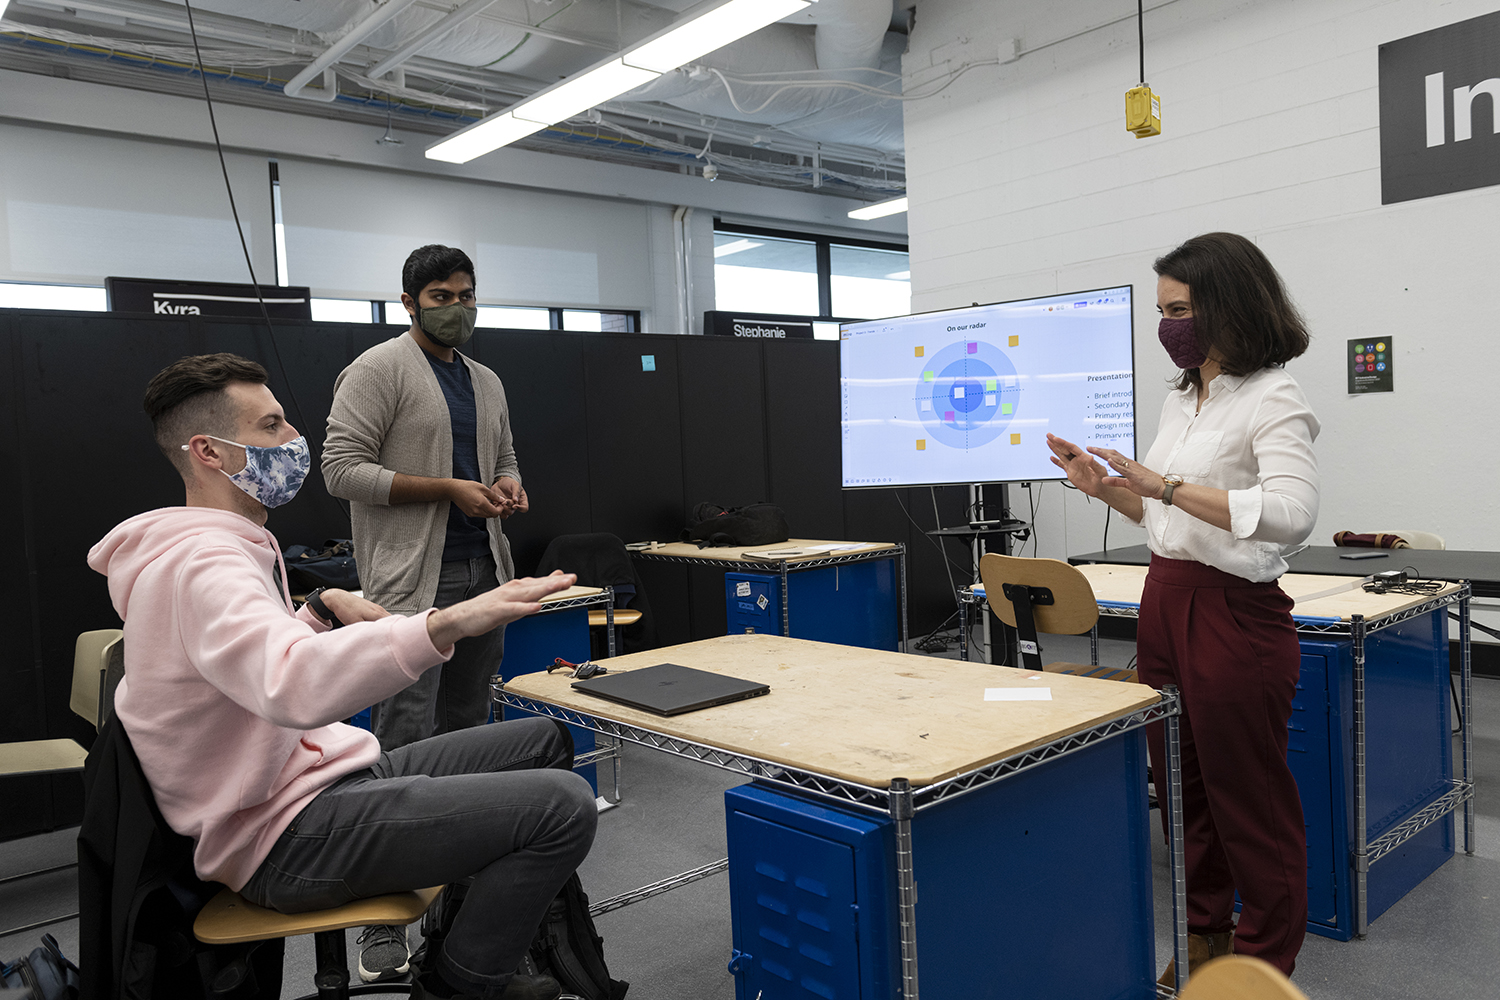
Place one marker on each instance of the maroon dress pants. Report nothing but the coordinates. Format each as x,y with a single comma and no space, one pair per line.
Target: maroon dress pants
1231,648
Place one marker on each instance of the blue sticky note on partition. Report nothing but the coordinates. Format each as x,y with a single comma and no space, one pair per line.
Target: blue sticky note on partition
648,362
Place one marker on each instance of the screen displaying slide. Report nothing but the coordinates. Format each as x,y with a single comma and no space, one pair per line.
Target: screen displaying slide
969,395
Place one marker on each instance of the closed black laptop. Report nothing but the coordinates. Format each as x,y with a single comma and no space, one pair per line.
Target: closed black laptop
670,689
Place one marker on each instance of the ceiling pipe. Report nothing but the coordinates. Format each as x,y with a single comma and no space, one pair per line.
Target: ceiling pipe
324,63
556,36
446,24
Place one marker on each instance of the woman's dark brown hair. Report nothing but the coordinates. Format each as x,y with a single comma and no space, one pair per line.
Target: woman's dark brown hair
1241,312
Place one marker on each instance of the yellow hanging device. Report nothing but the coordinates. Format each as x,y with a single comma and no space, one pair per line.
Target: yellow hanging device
1142,112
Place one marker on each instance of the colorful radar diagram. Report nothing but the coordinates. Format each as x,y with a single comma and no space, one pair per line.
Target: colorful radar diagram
967,394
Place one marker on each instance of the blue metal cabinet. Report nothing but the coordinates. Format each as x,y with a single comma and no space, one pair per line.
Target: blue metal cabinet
1409,763
852,605
1010,878
533,643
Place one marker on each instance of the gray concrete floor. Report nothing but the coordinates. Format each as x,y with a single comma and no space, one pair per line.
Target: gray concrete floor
1442,939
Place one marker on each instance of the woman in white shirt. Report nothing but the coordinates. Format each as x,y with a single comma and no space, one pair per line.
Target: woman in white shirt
1227,488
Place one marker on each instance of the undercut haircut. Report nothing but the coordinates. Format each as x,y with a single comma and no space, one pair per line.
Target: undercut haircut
1241,311
433,262
187,397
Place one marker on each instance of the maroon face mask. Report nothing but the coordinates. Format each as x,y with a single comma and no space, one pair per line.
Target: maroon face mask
1181,342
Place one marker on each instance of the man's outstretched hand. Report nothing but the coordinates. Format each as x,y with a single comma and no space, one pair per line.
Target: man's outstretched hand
506,603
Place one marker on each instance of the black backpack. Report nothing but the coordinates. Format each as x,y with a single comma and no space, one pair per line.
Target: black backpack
753,524
570,950
44,975
333,565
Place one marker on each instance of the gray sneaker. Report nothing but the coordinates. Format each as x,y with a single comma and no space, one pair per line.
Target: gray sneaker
383,953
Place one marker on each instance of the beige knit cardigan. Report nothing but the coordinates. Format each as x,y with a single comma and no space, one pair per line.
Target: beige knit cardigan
389,415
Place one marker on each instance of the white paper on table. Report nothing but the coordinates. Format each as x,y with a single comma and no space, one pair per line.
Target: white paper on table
834,546
1018,694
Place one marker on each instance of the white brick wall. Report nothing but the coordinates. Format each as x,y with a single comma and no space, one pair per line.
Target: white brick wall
1024,182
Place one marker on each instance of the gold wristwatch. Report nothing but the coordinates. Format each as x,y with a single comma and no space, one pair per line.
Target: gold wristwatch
1172,481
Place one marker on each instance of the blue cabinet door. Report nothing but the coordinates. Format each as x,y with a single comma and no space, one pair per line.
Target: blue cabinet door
795,908
1308,754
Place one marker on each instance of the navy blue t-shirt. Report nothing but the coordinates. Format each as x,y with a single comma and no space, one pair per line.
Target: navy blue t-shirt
468,537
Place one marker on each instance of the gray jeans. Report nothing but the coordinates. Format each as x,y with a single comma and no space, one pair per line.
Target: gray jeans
496,803
453,695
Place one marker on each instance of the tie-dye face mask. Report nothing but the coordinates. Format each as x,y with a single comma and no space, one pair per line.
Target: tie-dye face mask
271,475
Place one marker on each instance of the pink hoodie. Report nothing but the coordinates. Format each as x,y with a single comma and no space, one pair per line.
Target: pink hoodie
229,699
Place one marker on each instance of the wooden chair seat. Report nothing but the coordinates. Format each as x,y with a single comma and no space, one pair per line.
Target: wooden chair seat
623,616
1091,670
1240,977
41,757
229,918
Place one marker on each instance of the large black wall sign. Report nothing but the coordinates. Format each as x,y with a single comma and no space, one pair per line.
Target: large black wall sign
1440,111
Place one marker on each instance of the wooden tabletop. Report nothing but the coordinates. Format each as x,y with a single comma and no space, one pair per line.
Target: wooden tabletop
746,553
858,714
1123,584
572,592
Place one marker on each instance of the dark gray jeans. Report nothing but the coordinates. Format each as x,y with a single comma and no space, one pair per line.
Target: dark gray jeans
453,695
496,802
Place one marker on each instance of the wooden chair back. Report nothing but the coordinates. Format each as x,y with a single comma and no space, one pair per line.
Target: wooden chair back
98,665
1074,609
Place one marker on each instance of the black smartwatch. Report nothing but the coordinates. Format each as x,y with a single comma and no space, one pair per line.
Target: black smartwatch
315,601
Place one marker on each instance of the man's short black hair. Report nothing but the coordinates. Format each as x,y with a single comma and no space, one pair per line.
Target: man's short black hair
187,397
433,262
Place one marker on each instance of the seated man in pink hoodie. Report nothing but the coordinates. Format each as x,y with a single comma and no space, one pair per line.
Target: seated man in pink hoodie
231,701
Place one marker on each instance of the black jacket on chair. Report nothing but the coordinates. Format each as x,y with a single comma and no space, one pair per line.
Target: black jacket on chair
138,896
600,560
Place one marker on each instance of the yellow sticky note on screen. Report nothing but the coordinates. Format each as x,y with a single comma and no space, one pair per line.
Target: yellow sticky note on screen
1015,341
921,350
1015,439
991,384
921,444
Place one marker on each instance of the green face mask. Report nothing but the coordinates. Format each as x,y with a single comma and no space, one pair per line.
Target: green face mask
451,325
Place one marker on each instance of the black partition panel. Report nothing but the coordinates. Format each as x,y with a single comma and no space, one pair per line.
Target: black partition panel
614,432
544,388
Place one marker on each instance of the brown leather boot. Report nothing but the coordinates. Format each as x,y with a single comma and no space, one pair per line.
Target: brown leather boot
1202,948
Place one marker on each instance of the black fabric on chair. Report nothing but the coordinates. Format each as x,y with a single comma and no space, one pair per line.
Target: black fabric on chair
600,560
138,896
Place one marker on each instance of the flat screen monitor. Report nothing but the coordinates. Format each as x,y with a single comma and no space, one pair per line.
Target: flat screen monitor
969,395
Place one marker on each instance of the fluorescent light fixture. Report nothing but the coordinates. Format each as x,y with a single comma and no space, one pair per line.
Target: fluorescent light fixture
711,30
577,94
880,209
728,248
900,275
718,23
482,137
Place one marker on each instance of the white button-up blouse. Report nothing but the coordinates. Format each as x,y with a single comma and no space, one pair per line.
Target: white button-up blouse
1253,437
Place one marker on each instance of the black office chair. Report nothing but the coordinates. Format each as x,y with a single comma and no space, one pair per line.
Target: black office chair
600,560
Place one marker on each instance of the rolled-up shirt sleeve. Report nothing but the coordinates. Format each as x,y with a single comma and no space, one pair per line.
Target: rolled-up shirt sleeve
1283,506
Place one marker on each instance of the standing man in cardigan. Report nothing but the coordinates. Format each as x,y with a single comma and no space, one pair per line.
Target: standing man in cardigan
419,443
